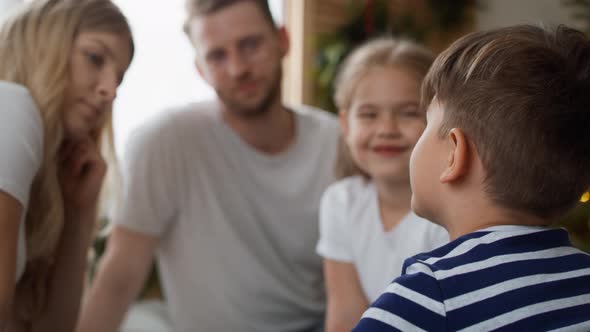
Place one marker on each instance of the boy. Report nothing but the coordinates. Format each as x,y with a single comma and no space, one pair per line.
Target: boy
504,154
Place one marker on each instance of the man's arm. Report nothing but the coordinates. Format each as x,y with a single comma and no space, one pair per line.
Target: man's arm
120,276
346,300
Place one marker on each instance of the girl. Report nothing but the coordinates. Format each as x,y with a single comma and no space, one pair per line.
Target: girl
61,62
366,227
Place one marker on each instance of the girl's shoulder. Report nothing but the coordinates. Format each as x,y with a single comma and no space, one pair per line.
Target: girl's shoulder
352,185
350,190
433,234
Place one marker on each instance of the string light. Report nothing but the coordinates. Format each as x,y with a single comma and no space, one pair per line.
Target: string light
585,198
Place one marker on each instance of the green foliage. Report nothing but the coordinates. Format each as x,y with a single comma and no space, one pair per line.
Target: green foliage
372,20
577,221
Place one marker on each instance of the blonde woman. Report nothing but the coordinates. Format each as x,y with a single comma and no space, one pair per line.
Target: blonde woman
61,62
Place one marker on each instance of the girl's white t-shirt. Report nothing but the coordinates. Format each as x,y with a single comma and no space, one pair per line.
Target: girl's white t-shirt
21,152
351,231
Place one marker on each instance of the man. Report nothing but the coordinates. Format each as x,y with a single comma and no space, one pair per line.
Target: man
225,193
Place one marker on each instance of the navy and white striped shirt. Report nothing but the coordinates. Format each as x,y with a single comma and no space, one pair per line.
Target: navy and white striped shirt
504,278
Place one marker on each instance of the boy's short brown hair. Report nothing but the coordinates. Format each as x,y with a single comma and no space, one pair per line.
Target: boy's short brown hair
206,7
522,96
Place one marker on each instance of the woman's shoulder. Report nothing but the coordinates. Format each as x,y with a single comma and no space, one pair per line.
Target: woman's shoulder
11,87
10,91
17,102
21,140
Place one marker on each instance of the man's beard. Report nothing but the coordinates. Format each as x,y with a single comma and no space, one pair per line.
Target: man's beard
259,109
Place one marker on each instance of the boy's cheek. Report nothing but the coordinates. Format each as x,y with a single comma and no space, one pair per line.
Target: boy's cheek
415,206
421,175
415,157
414,171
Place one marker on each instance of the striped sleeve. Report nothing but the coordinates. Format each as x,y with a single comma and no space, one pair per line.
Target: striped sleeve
413,302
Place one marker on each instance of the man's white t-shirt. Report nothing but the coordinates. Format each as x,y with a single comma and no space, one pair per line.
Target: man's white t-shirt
21,152
351,231
237,227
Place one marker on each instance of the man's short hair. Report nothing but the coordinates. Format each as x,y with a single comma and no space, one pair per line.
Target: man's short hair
206,7
522,96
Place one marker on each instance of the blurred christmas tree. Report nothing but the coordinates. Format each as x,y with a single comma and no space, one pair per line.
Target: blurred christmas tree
577,221
376,18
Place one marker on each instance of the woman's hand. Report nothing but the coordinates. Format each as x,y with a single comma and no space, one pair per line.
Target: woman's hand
82,171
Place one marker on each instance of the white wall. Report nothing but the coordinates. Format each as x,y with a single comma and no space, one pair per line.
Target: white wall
7,5
498,13
162,73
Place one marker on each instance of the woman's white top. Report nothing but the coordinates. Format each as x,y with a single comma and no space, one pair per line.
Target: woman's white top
21,152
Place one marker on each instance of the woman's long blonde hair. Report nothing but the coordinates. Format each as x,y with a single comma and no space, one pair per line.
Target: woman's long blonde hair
35,47
377,53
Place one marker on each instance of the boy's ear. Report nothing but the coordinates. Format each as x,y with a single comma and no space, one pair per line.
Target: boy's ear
458,160
343,117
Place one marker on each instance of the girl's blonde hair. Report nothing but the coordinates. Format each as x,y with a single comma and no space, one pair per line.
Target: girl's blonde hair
35,47
382,52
